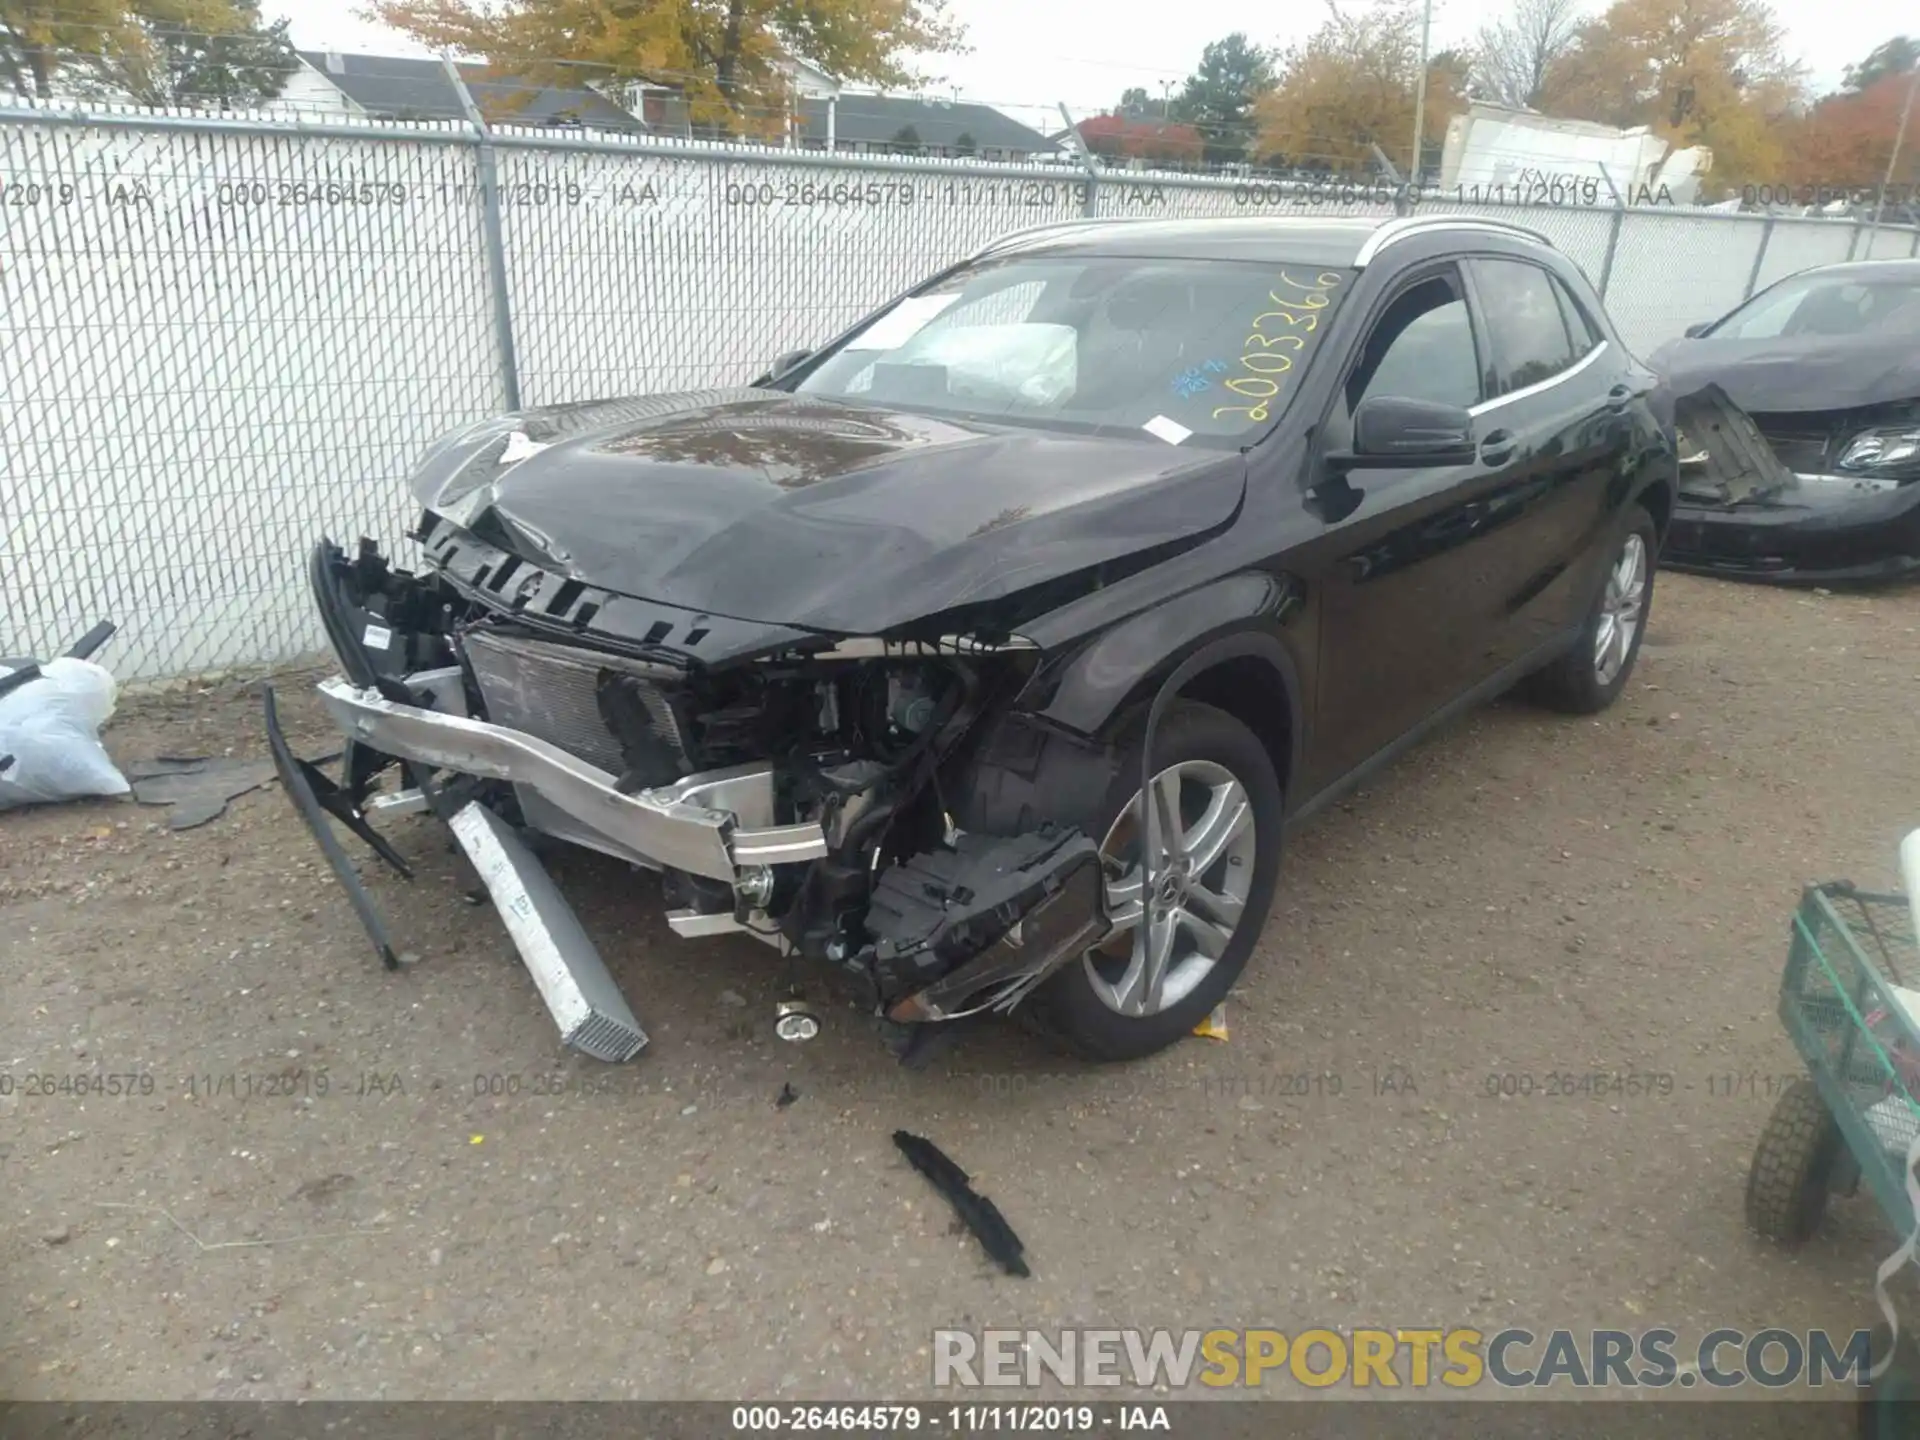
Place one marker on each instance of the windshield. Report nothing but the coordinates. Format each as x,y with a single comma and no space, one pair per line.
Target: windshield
1201,351
1827,305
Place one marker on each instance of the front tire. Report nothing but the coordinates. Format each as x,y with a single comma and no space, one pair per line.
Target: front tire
1178,953
1590,676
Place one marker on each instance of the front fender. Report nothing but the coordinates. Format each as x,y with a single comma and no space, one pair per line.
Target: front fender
1240,616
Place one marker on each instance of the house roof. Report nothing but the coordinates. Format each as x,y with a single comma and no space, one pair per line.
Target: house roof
394,87
877,119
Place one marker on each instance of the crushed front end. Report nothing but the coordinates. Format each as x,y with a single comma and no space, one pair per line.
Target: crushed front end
783,783
1796,497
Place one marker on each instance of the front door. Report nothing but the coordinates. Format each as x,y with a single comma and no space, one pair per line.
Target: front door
1410,614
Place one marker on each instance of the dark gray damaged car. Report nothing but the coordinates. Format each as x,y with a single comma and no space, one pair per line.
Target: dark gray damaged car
1799,421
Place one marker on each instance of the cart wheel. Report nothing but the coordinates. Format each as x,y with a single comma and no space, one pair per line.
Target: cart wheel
1787,1187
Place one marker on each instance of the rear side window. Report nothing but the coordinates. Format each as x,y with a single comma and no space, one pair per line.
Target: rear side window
1579,327
1526,323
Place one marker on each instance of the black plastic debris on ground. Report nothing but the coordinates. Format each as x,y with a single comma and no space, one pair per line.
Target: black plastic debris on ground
978,1213
786,1096
198,787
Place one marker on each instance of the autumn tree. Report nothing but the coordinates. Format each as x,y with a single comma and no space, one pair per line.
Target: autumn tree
1897,56
1845,141
1129,137
98,42
1351,85
1511,57
725,55
1699,72
1219,97
180,64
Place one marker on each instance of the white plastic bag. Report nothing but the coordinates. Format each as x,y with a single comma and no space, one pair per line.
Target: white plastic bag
51,728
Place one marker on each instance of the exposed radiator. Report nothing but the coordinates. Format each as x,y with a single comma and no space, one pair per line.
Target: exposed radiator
549,691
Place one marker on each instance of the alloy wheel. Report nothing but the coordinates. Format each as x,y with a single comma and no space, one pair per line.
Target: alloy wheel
1620,610
1166,943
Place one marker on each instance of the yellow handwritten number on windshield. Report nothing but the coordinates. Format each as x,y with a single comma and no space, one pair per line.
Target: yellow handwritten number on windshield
1325,280
1260,360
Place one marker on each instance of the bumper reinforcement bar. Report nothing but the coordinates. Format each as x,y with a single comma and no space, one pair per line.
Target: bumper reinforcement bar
670,826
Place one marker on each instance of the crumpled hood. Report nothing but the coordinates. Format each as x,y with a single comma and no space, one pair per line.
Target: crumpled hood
760,505
1796,373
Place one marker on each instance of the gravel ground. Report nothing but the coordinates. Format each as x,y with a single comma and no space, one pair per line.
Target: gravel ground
1523,895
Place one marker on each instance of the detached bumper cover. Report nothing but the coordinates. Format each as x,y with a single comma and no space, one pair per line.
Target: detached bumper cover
714,825
1811,533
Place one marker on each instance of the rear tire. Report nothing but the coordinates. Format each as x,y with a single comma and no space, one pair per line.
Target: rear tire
1590,676
1222,771
1787,1187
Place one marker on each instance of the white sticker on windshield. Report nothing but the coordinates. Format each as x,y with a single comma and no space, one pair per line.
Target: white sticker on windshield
1171,431
902,323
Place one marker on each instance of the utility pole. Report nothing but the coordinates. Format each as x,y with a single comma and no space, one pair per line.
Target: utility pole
1166,100
1420,93
1893,158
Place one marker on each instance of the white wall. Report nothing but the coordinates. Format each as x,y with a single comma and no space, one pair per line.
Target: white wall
309,94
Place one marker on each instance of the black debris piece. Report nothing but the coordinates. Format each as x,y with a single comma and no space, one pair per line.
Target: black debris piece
786,1096
198,790
979,1214
23,670
306,784
89,644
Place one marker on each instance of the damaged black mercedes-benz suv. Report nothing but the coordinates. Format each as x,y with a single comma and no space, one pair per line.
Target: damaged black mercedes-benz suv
872,659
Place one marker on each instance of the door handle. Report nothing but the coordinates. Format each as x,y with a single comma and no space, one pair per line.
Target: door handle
1497,447
1619,397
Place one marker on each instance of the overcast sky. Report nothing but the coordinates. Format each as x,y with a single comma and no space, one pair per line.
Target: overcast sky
1028,55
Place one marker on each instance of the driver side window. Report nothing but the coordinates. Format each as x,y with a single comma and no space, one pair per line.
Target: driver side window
1421,348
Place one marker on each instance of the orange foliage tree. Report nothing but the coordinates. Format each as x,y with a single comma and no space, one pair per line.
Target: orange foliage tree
1845,141
1351,85
724,55
1698,72
1120,137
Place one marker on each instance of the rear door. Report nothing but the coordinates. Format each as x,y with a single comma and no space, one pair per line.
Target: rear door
1558,396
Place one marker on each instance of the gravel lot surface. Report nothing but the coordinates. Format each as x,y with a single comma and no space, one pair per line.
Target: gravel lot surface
468,1211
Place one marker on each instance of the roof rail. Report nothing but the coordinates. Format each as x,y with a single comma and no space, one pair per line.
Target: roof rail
1031,231
1402,226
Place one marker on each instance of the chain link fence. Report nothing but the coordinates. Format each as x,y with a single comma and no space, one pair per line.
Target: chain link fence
220,339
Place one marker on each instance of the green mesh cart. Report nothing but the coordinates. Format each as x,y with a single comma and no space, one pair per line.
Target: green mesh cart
1851,1001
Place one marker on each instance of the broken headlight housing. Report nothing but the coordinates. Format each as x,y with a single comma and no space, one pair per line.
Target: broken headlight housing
1882,449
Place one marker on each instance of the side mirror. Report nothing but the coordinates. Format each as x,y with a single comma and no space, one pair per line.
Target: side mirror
1699,328
786,362
1389,431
